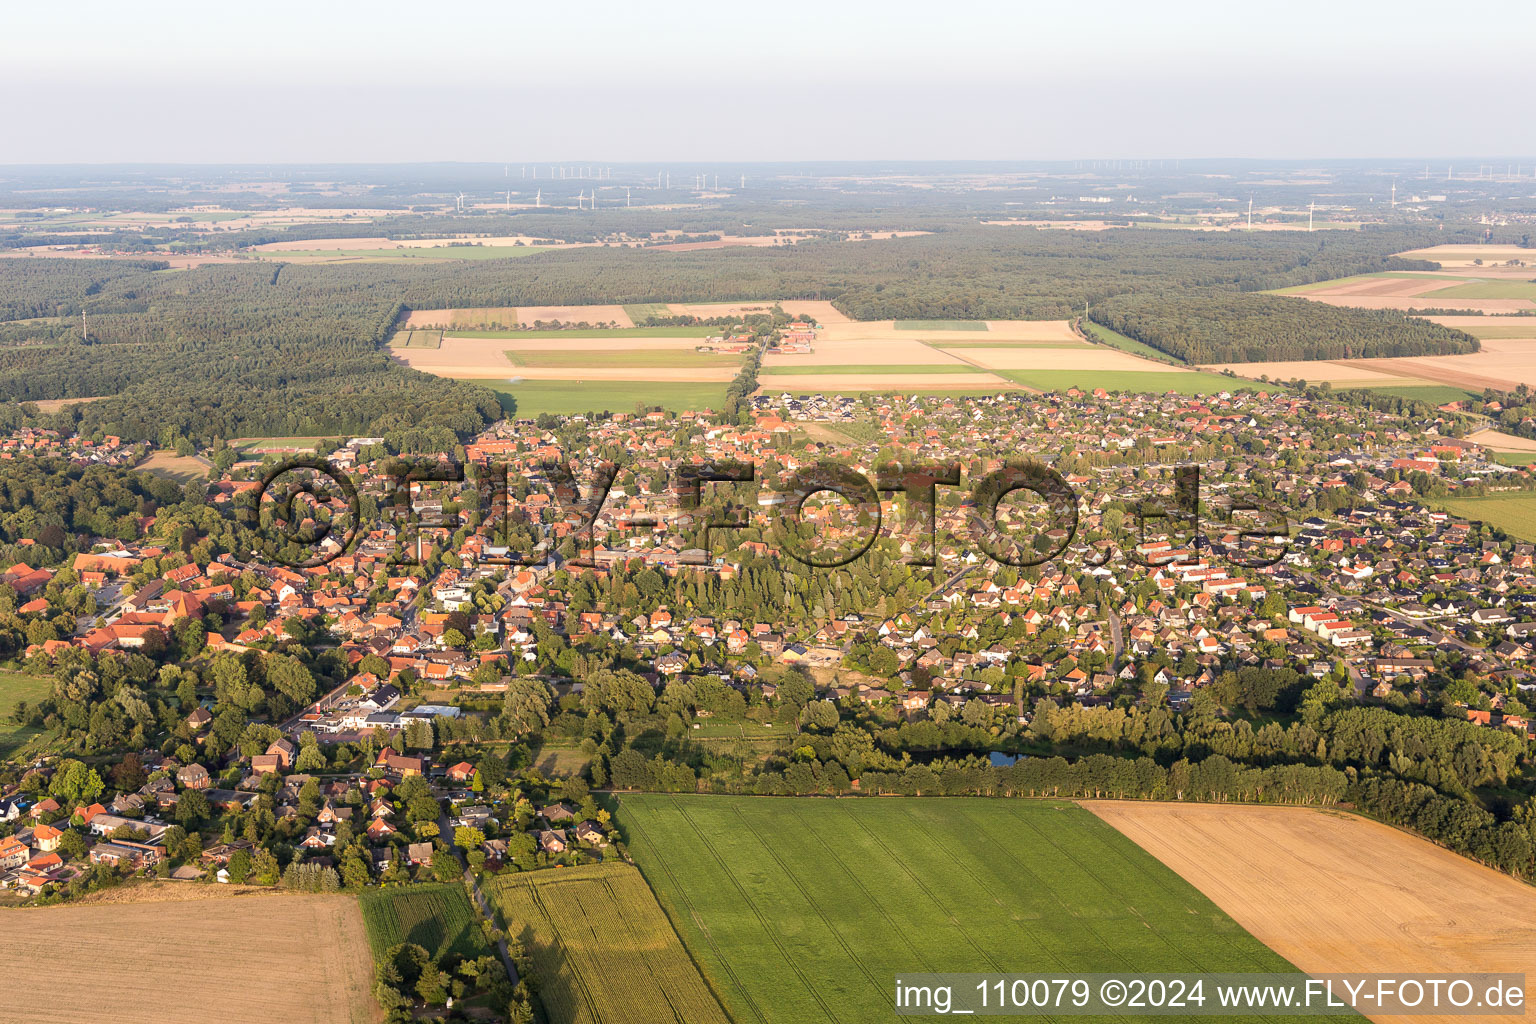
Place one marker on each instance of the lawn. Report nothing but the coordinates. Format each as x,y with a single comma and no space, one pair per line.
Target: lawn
803,910
1152,381
1513,458
777,370
16,687
940,325
640,311
436,917
531,398
602,948
1515,514
616,332
640,358
1115,339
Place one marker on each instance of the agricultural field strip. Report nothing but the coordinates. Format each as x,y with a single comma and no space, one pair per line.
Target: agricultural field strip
438,918
721,962
919,864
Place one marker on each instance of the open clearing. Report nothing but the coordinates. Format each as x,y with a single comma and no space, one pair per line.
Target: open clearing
804,910
16,687
178,468
436,917
603,949
1513,513
1332,892
259,958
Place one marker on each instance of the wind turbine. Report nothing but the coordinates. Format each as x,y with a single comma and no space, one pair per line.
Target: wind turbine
538,199
1310,210
1394,194
1250,213
460,203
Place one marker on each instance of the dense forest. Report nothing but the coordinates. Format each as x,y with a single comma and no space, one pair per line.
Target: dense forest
254,349
1256,328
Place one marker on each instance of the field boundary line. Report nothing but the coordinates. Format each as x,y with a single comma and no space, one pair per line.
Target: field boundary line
768,930
710,939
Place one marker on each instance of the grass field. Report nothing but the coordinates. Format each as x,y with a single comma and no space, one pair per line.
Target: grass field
14,688
1435,394
805,910
559,760
1501,327
191,956
438,918
1153,382
535,397
1317,286
639,311
617,332
639,358
940,325
1115,339
1515,514
603,949
1513,458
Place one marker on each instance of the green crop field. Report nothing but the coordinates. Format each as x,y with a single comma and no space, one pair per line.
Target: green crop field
1115,339
1515,514
577,357
436,917
639,311
417,338
775,370
940,325
616,332
1152,381
602,948
16,687
805,910
531,398
1487,290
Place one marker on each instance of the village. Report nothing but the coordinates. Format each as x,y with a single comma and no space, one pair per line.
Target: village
445,620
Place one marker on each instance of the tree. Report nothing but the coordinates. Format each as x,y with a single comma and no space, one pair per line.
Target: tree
192,808
467,837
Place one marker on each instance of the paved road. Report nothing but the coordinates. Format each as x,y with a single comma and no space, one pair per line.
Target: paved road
445,827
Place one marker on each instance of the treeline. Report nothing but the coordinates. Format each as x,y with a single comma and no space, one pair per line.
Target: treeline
1257,328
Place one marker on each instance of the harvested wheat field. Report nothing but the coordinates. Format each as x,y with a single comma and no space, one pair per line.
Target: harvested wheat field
1502,363
1332,892
1085,357
1316,371
1429,300
1464,255
834,382
1499,441
259,958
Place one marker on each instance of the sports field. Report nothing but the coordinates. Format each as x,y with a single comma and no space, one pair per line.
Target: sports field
437,918
602,948
1514,513
805,910
530,398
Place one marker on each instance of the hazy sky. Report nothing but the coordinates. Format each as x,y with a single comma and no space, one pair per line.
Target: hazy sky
170,80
